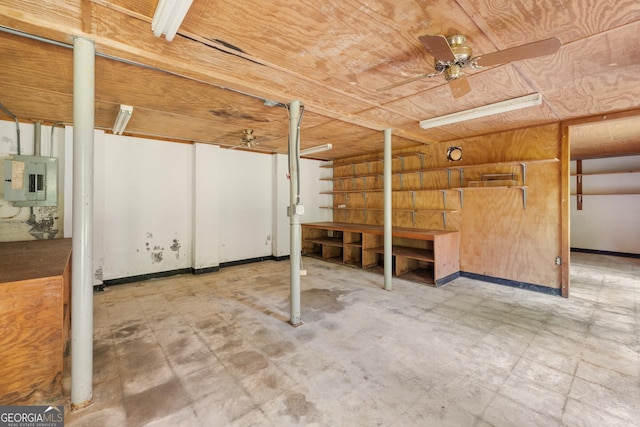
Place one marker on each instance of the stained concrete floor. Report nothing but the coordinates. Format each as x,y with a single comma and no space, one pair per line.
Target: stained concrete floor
216,350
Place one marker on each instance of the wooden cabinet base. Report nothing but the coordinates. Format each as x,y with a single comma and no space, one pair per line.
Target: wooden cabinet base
425,256
34,320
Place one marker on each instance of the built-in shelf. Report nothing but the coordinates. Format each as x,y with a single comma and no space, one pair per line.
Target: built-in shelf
427,256
605,173
579,174
608,194
454,167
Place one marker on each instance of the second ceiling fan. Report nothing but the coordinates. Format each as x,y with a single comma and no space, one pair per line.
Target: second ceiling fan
451,55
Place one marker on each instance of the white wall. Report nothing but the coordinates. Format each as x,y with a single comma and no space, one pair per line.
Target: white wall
161,206
206,202
607,223
246,205
147,215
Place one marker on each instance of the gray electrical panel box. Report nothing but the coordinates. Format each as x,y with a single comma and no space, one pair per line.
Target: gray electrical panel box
31,181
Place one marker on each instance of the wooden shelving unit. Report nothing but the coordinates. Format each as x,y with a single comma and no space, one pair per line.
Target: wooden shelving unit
579,183
427,256
460,189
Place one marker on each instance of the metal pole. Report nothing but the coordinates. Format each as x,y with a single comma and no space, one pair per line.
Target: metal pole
388,263
82,258
294,213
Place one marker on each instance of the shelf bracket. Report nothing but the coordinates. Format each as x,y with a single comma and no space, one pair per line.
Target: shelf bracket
401,181
444,199
421,155
413,217
460,191
524,173
401,164
413,197
444,219
461,177
524,197
421,180
449,178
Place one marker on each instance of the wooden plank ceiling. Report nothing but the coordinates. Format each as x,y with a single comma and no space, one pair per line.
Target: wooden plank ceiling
210,82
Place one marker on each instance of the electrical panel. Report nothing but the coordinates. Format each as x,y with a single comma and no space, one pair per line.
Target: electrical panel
31,181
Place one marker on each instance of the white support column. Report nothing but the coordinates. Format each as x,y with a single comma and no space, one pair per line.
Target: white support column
388,220
294,214
82,258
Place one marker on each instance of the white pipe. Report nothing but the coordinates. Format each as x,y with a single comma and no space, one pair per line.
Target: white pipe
388,220
82,258
37,138
294,216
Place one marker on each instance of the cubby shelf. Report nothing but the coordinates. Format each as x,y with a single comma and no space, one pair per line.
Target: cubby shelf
427,256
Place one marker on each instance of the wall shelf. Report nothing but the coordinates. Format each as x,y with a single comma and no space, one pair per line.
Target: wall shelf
415,187
579,174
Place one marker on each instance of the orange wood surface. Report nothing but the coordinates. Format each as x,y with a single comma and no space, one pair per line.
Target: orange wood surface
34,320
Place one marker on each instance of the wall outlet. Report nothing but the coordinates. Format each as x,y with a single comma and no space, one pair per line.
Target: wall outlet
303,272
558,260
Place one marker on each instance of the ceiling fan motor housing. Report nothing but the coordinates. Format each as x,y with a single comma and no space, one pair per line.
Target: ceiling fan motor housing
453,69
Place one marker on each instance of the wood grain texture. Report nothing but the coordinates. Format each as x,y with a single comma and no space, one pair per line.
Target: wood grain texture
31,314
34,290
209,82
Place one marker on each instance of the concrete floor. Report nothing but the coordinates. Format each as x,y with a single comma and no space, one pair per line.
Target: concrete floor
216,350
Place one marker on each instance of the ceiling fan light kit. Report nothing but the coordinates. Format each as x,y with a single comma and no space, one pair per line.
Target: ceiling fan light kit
451,55
483,111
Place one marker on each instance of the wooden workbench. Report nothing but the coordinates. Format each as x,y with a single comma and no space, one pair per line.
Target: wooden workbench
35,280
428,256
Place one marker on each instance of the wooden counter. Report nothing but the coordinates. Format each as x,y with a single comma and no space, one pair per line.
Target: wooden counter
35,280
428,256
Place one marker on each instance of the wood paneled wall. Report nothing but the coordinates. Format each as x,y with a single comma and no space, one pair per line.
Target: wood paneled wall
500,238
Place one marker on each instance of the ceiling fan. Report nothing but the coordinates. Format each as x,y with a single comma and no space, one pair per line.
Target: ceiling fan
451,55
250,141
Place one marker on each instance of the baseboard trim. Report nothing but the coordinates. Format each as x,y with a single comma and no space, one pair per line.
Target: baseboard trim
247,261
194,271
611,253
512,283
143,277
198,271
444,280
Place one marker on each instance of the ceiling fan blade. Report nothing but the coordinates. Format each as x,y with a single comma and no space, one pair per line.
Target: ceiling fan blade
459,87
438,47
404,82
518,53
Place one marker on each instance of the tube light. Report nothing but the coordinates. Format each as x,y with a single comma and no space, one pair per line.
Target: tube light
124,115
485,110
319,148
168,16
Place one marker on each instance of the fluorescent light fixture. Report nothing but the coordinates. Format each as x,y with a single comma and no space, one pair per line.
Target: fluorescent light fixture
319,148
485,110
124,115
168,17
